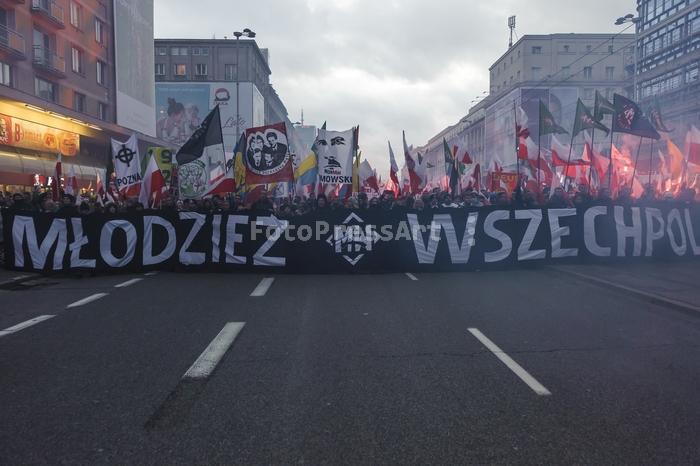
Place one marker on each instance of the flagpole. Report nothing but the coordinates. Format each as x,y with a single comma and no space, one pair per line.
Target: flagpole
639,150
651,158
517,148
539,154
568,161
590,167
611,165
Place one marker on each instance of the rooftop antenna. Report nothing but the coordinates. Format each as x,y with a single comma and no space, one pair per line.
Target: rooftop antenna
511,26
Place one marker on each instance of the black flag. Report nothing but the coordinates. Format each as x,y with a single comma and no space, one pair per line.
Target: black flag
208,134
629,119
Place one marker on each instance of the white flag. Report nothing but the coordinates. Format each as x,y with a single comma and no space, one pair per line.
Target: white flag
127,166
334,151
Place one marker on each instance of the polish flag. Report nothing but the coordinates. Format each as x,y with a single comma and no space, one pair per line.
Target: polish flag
560,153
393,172
692,141
152,184
71,184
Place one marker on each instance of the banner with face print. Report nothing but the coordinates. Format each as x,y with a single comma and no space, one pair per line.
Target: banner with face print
266,155
334,151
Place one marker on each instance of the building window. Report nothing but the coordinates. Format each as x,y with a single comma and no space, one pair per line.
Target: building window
609,73
229,72
99,31
181,51
79,102
5,74
160,69
588,72
76,14
566,49
195,50
77,60
101,72
536,71
588,94
45,89
161,51
536,50
102,111
200,69
205,51
589,48
611,49
180,70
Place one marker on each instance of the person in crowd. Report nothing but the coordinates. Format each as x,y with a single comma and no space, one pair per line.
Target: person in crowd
648,196
322,204
67,205
559,200
84,209
624,197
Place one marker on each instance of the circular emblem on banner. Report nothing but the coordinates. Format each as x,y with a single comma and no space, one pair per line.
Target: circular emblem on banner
193,179
125,155
267,152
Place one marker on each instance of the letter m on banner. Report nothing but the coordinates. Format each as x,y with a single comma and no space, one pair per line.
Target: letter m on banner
24,228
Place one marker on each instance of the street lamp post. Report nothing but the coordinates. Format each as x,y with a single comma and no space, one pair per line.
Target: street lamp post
250,34
630,18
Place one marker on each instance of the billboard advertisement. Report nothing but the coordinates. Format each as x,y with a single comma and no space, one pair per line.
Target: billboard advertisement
134,63
180,108
29,135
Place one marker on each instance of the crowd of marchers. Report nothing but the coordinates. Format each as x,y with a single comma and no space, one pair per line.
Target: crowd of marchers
292,206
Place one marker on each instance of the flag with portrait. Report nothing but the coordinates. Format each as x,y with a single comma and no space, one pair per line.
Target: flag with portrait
266,155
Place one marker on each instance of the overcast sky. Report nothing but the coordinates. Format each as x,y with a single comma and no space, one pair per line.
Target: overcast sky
387,65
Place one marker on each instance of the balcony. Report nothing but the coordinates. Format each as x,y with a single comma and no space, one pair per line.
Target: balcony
49,62
49,10
12,43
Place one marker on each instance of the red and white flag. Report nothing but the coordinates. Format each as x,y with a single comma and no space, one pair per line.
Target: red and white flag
416,180
692,141
393,173
153,184
71,184
367,176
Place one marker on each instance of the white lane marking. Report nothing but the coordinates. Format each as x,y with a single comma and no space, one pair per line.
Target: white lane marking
21,277
25,324
128,283
411,276
262,287
529,380
207,361
150,274
87,300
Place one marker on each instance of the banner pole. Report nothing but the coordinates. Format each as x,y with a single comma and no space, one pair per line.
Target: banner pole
611,165
517,146
639,150
651,158
590,167
568,161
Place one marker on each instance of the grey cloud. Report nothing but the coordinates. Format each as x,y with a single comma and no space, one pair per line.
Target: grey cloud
386,65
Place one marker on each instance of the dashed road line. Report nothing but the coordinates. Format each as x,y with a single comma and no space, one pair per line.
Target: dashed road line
21,277
517,369
25,324
207,361
262,287
411,276
150,274
128,283
87,300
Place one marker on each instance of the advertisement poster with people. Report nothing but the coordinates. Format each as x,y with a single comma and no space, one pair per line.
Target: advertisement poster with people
180,108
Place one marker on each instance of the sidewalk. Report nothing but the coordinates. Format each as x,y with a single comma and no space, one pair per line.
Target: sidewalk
674,281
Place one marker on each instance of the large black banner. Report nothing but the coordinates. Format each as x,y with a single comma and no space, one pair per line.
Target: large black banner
349,241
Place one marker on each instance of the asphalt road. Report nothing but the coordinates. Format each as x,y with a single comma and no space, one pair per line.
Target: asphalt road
368,369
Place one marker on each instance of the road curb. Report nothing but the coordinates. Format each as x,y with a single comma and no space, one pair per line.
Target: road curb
655,298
